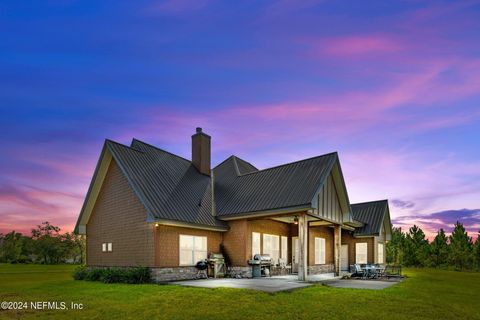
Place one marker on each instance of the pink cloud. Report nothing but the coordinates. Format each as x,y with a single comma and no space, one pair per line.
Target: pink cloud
23,207
358,45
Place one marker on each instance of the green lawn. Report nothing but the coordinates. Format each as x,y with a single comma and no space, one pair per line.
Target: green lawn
426,294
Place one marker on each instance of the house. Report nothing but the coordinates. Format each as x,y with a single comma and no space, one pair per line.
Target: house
148,207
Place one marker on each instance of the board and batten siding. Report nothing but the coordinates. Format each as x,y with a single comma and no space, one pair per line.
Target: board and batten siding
328,205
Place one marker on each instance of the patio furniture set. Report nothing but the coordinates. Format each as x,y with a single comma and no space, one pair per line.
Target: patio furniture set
375,271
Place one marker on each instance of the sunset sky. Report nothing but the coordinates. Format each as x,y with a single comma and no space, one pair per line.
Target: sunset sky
393,86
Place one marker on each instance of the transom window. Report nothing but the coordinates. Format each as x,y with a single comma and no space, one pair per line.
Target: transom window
107,247
192,249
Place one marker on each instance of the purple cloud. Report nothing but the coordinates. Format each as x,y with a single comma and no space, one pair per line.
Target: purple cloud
432,222
402,204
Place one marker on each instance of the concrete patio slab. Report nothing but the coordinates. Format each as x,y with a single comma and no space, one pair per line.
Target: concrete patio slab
270,285
360,284
310,278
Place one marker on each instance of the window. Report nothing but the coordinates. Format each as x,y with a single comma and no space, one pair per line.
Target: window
271,246
319,251
192,249
380,253
284,249
361,252
107,247
255,243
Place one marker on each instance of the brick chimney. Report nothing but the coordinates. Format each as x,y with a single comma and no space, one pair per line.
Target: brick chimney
201,151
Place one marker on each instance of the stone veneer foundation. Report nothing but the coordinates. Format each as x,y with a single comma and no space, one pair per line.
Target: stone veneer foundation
321,268
189,273
174,274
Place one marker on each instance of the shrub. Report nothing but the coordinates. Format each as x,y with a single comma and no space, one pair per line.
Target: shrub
94,274
114,275
138,275
80,273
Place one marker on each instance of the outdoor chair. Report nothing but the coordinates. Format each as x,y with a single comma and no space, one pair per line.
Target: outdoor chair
359,272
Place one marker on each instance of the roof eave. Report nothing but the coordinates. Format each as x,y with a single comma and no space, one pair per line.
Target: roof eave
266,213
185,224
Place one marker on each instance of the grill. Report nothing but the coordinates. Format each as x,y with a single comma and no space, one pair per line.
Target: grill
202,266
261,264
217,265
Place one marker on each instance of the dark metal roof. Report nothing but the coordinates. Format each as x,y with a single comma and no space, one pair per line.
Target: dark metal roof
243,166
289,185
172,189
169,186
371,214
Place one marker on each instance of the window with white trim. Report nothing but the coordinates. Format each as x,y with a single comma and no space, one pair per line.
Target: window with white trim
319,250
361,252
192,249
271,246
380,253
104,247
107,247
284,244
255,243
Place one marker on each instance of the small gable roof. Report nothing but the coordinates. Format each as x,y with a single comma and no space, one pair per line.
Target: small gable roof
372,214
287,186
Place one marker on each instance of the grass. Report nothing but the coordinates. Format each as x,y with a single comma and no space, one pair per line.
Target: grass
426,294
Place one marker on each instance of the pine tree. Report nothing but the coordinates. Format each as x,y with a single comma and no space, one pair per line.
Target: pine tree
461,253
416,248
476,251
439,249
396,247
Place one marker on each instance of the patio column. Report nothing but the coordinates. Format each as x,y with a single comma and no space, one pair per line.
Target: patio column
337,237
302,247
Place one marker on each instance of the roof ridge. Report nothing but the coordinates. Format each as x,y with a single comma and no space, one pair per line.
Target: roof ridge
235,165
218,165
244,161
290,163
123,145
366,202
159,149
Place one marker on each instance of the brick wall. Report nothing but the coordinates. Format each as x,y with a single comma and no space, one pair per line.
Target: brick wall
119,217
235,242
168,243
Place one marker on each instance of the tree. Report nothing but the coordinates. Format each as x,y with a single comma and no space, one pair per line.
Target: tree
439,249
416,248
47,243
14,247
461,248
476,251
396,247
76,247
